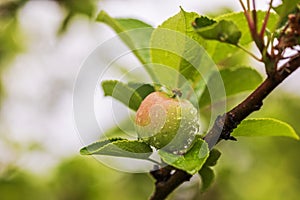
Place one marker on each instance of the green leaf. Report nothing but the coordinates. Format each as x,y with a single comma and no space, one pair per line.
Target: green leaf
207,177
217,50
88,150
143,89
122,92
174,45
236,80
214,156
283,10
203,21
220,51
134,33
240,21
223,31
207,174
192,161
119,147
264,127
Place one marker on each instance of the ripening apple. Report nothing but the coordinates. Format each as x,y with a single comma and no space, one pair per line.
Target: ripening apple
166,122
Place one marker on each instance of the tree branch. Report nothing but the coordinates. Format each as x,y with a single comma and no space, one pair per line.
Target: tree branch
168,179
225,124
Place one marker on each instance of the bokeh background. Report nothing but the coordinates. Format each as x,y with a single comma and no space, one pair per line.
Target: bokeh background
42,46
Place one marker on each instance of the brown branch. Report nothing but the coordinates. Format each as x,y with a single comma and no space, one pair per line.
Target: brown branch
166,181
254,15
224,125
264,26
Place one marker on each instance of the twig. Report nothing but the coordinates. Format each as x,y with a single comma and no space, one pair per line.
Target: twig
248,5
264,26
243,6
246,12
254,15
252,26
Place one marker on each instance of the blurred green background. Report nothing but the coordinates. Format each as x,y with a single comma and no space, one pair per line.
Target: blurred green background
42,44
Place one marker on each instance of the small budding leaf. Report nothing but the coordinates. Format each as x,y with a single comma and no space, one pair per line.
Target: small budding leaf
223,31
192,161
118,147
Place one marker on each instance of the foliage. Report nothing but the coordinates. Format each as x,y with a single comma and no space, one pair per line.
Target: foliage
118,147
267,127
206,172
191,161
176,56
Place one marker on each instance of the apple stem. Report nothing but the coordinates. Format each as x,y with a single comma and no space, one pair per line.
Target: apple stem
177,93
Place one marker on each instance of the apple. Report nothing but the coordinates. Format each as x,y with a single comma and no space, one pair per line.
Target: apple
167,122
